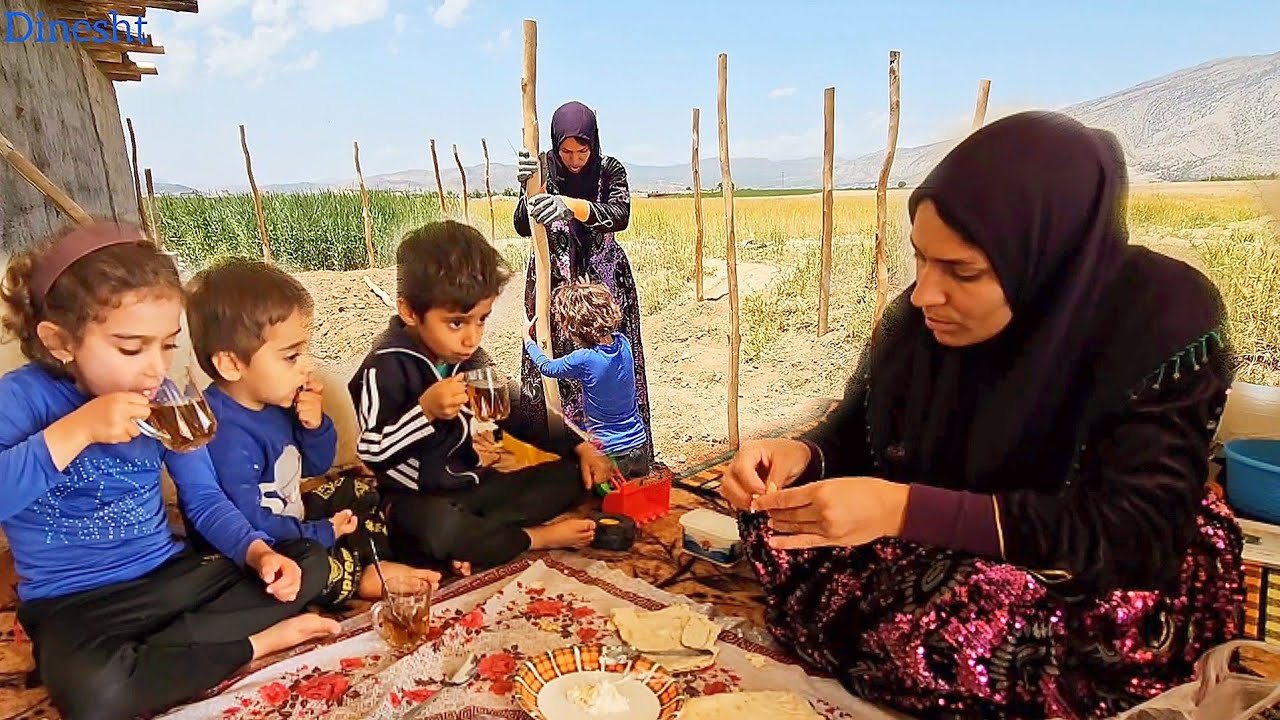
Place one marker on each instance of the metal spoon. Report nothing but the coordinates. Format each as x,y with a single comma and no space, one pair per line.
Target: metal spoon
461,676
377,567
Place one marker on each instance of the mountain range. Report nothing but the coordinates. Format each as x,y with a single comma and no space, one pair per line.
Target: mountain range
1219,118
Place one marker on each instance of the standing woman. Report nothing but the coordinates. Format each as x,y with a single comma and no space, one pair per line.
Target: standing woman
586,201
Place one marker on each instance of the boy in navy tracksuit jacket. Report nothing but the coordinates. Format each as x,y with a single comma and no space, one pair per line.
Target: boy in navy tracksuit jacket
416,427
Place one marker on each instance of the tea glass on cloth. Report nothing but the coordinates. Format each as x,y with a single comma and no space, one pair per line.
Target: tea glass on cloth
180,416
489,394
403,617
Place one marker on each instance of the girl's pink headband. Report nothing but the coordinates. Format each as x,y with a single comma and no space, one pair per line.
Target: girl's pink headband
50,264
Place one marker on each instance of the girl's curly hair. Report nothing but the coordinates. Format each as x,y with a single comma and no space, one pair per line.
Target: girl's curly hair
586,311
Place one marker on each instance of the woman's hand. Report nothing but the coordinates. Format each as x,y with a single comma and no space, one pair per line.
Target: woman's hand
526,166
843,512
531,328
546,208
775,462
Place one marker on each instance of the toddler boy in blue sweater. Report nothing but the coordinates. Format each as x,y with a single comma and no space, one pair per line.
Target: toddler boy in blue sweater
250,329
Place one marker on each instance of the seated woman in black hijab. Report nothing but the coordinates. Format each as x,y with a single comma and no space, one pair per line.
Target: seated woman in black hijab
1007,515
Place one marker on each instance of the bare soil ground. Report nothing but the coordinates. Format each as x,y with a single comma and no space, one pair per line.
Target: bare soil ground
686,347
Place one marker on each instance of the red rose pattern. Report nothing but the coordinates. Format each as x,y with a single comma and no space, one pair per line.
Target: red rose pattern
273,694
546,608
419,695
587,635
473,620
502,687
715,688
352,663
497,666
326,688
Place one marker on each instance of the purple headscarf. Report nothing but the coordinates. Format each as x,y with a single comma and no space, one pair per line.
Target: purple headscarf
574,120
1044,197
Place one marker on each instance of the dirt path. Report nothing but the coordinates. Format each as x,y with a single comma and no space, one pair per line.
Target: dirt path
686,349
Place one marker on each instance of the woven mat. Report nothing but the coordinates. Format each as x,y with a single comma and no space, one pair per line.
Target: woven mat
505,616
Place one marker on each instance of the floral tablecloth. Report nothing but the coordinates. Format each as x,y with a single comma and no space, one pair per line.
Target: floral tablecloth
504,615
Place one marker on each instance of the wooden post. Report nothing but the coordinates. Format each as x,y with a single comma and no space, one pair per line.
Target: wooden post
828,205
731,253
697,205
41,182
466,202
488,193
882,208
143,220
257,199
152,213
435,164
980,112
364,211
541,248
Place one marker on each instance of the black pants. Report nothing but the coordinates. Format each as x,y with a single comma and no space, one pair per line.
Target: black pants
483,525
634,463
352,553
144,645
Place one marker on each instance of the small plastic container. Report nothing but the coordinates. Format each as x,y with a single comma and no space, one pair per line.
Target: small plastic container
1253,478
712,536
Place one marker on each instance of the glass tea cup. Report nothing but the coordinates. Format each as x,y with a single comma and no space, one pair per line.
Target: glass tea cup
403,617
489,394
180,416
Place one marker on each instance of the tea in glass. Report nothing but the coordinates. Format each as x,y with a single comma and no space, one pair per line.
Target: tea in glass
488,393
403,617
180,416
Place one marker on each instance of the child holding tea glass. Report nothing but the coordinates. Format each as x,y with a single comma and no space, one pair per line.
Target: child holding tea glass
250,328
411,402
605,366
125,619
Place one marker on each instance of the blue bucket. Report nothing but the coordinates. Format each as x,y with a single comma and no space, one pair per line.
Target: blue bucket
1253,478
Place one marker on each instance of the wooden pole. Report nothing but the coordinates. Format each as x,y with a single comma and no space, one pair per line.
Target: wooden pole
828,205
541,248
257,199
435,164
143,219
980,112
364,211
466,202
41,182
882,202
697,205
731,253
153,214
488,193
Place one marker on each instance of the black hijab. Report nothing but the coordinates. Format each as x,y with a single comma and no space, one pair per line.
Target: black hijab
1044,197
574,120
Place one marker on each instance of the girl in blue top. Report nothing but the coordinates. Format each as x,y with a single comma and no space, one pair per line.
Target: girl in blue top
605,366
125,619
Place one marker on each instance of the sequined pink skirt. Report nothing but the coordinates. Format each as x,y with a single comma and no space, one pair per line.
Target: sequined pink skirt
941,634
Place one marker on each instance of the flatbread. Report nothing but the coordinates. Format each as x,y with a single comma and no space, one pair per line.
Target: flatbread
676,627
765,705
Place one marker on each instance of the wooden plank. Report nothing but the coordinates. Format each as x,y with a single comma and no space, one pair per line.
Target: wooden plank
697,207
731,251
828,205
541,247
137,181
41,182
882,186
152,211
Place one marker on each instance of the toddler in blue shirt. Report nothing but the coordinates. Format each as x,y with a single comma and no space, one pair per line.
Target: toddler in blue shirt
605,366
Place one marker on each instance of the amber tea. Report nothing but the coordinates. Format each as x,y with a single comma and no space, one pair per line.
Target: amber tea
403,618
183,426
488,393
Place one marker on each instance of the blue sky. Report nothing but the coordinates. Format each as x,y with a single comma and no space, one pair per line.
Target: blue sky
307,77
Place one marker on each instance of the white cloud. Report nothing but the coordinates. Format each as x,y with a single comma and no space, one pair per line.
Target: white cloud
450,12
493,47
782,92
325,15
235,55
401,22
271,12
393,48
304,63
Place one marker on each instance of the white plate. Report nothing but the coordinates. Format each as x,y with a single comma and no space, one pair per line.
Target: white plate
553,699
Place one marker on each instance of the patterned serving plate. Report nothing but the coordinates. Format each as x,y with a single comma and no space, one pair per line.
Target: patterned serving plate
556,669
